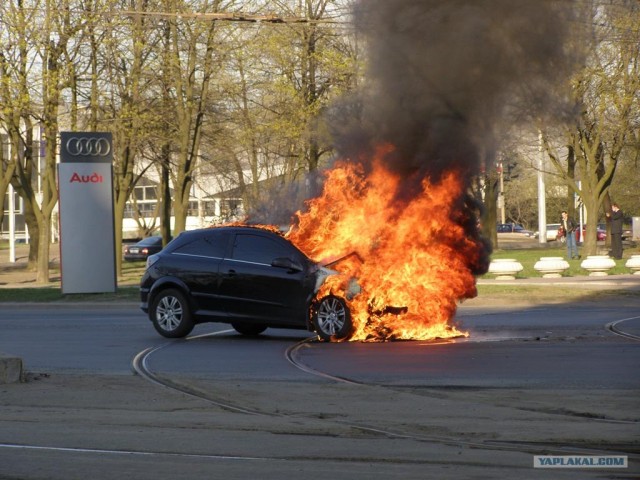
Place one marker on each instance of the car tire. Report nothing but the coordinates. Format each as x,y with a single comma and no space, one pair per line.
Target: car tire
171,314
332,319
248,329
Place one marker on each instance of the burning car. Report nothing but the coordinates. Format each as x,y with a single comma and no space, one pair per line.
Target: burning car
252,278
414,260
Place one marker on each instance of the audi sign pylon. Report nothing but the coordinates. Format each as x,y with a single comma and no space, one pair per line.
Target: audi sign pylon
87,235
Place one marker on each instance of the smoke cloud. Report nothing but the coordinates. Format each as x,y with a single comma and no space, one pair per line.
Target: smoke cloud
442,75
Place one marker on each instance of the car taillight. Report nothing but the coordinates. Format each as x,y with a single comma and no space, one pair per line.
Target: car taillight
144,251
151,259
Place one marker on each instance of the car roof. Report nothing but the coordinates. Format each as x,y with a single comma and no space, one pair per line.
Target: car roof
268,229
150,240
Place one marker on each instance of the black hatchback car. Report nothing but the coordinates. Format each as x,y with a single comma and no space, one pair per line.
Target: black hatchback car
249,277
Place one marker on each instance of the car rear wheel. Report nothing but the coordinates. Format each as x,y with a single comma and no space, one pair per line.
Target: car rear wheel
332,319
171,314
248,330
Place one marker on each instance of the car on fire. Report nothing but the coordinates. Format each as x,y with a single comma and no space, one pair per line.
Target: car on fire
252,278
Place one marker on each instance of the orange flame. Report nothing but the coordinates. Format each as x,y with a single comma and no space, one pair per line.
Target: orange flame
410,253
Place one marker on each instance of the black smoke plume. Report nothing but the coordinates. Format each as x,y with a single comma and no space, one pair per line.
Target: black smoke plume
443,75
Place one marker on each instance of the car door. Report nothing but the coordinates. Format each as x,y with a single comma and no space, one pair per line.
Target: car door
256,291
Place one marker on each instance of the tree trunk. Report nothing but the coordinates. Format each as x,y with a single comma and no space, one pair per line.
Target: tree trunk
180,209
490,215
165,195
34,236
571,175
590,245
42,273
120,204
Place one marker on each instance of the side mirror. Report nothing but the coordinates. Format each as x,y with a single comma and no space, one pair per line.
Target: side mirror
284,262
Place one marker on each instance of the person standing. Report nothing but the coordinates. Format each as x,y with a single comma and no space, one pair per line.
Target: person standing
569,227
616,231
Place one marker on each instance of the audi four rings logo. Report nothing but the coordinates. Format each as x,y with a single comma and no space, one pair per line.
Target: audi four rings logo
88,147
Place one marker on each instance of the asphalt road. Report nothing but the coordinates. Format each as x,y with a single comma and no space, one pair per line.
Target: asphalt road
528,380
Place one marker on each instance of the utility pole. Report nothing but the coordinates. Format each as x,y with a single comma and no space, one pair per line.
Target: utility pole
542,204
503,206
12,214
12,225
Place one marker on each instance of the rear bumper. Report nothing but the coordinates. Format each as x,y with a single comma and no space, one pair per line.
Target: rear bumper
135,258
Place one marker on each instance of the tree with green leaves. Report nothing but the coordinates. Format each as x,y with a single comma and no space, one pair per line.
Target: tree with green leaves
37,51
18,116
316,63
128,46
606,93
193,52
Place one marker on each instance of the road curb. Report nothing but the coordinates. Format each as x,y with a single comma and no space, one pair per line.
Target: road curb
10,369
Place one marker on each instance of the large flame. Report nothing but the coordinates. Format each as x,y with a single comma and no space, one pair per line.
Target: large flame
403,253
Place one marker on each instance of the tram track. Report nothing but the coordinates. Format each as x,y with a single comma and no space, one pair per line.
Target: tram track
140,365
613,328
292,355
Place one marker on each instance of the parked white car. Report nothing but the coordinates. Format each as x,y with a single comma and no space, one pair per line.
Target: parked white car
552,232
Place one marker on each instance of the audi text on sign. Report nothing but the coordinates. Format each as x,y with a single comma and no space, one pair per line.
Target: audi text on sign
93,178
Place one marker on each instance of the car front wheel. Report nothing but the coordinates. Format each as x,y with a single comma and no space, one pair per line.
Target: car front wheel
171,314
332,319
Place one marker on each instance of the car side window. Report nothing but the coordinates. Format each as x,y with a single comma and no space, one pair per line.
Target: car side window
258,249
204,246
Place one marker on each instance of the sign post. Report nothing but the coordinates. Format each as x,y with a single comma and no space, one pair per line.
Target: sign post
87,235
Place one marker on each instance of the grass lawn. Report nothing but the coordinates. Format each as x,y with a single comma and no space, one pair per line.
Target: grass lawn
54,294
127,286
